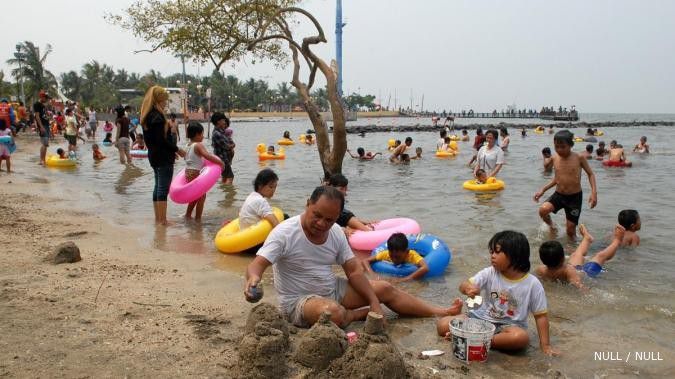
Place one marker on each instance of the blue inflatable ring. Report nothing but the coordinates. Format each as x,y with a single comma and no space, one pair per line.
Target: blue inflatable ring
436,254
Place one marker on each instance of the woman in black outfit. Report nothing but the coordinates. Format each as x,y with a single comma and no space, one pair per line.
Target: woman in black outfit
161,149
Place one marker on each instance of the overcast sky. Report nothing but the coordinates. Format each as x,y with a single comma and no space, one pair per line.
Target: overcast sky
601,55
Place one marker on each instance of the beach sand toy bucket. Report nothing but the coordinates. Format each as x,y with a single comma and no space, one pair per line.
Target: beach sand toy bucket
471,339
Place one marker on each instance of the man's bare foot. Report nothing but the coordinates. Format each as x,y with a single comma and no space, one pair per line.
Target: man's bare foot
455,308
585,234
41,163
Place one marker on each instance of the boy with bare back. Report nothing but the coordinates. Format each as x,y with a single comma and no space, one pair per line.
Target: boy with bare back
553,258
616,154
567,180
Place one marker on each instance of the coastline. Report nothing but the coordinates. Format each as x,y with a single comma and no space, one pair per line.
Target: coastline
125,309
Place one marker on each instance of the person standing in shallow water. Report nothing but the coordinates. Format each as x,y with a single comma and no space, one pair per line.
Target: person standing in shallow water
223,145
161,149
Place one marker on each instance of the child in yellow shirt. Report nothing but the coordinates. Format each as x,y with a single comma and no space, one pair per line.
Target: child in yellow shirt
398,253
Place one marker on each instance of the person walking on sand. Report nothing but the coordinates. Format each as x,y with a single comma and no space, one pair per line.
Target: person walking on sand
161,149
303,250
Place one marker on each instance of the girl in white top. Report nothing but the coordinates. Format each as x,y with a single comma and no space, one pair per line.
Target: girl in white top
194,161
509,295
256,207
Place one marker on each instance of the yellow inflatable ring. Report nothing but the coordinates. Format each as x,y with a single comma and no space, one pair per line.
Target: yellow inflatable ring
599,133
539,131
302,138
230,239
454,137
261,148
55,161
492,184
445,154
391,143
285,142
578,139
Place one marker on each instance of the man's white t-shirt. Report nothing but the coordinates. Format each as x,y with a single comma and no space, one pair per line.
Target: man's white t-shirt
302,268
508,301
488,159
255,207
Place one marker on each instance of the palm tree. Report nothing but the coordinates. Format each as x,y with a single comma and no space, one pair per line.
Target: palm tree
29,64
71,85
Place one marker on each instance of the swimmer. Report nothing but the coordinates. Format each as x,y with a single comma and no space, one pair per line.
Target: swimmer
465,136
567,180
309,140
397,154
418,153
108,138
398,253
601,151
481,176
554,267
61,153
397,143
287,136
550,129
441,140
96,152
270,150
362,155
630,220
642,147
140,143
548,160
616,154
404,158
588,153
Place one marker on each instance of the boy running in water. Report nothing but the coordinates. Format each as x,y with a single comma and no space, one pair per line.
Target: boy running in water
567,180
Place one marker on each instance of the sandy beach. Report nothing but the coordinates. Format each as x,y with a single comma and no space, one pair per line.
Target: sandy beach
124,310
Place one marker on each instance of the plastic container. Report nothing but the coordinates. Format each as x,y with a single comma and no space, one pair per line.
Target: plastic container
471,339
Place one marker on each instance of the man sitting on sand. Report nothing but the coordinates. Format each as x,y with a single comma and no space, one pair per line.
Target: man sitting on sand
303,250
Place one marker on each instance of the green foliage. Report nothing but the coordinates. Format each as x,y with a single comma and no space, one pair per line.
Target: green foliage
356,102
29,65
215,31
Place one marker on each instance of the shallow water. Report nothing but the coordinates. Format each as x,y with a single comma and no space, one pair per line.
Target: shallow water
629,309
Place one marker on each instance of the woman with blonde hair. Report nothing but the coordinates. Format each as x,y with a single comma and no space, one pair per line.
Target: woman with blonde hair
161,148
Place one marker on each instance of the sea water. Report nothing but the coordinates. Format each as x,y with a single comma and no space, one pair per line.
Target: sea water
629,308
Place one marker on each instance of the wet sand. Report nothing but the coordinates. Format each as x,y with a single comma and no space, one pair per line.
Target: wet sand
124,310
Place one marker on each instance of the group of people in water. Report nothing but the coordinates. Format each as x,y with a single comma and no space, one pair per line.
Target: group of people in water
303,248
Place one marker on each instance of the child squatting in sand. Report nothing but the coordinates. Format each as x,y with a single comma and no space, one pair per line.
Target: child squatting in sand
511,293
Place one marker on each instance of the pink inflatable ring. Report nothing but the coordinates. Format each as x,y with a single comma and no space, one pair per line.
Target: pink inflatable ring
182,192
361,240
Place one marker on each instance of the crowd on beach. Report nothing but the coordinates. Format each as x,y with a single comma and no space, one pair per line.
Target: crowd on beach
303,248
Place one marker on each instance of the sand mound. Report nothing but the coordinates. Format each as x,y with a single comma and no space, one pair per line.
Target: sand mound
372,356
321,344
262,354
268,313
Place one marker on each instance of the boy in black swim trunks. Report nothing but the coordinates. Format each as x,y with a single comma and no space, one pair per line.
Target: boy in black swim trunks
567,180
